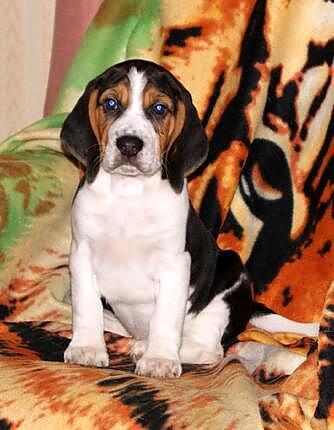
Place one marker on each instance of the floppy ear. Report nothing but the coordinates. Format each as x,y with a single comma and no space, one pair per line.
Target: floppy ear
189,148
78,137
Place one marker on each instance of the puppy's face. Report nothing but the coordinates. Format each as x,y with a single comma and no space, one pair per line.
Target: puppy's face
134,122
136,119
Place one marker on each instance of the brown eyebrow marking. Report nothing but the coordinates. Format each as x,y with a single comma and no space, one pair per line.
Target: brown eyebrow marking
152,94
120,92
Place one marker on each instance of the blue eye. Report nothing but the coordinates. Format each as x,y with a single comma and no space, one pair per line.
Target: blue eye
111,104
159,108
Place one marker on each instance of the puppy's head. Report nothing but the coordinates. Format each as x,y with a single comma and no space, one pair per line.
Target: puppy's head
136,119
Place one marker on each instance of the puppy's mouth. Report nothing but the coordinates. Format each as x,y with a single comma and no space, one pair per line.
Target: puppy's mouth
132,166
129,155
128,166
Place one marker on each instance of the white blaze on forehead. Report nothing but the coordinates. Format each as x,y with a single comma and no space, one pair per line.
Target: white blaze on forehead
137,84
133,122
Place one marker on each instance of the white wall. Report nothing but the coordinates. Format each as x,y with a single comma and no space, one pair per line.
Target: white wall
26,28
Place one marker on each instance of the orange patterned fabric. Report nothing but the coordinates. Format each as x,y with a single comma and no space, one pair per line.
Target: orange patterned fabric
41,392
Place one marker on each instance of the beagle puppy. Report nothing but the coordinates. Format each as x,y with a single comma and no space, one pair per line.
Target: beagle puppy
138,246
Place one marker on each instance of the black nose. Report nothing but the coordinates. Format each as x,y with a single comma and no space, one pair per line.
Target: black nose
129,145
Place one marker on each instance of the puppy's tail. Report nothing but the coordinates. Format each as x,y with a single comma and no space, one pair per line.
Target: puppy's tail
266,319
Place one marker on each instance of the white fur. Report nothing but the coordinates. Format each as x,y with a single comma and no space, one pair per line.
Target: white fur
203,332
277,323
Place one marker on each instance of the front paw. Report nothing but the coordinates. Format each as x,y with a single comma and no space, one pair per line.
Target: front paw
158,367
87,356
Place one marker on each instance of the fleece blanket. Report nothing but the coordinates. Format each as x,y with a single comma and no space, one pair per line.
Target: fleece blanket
261,76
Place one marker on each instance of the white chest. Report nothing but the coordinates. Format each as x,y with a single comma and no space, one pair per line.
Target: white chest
129,225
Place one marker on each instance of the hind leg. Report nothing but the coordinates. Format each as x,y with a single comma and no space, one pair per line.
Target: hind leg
219,322
202,333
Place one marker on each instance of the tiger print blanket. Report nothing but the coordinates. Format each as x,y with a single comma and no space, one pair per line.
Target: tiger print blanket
261,75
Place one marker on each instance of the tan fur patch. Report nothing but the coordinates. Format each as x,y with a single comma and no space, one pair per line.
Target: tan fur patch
100,121
170,126
93,115
179,120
